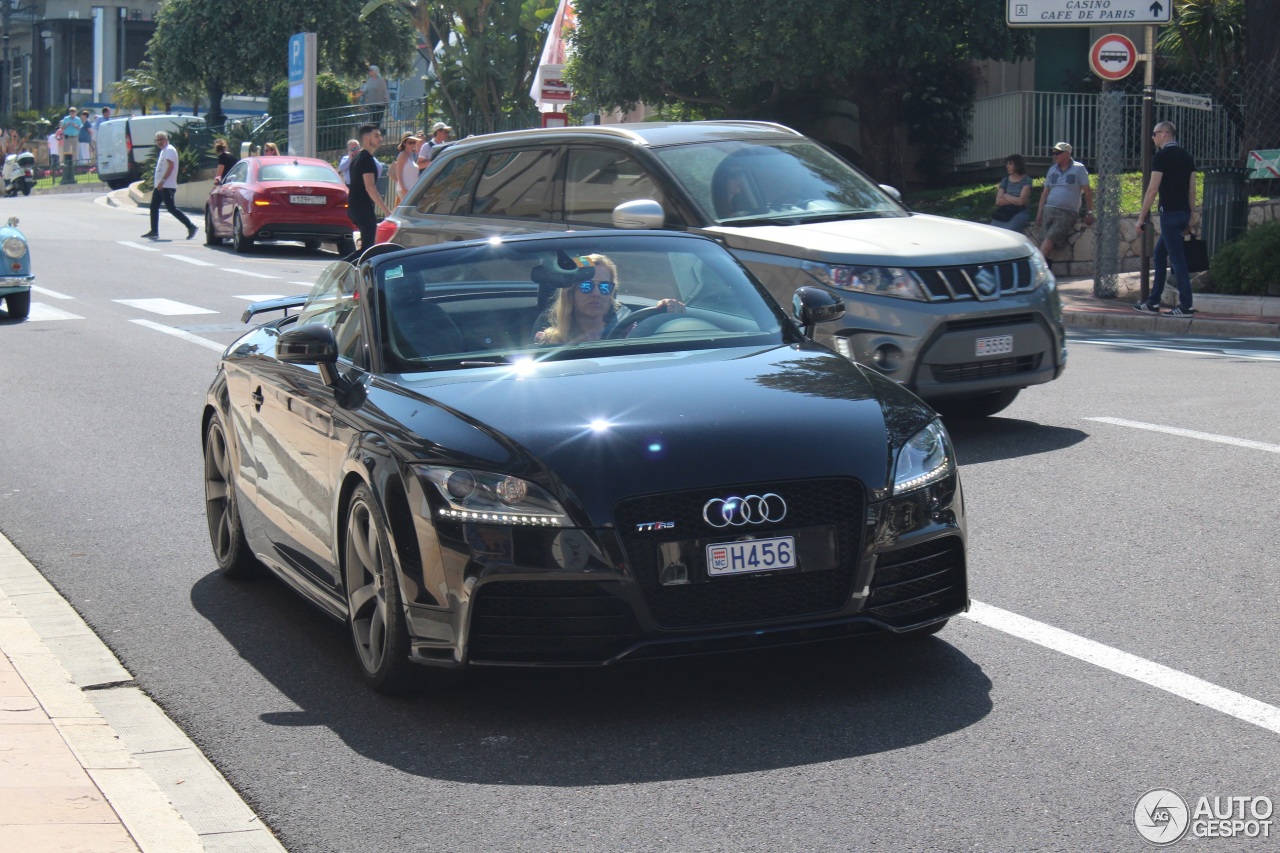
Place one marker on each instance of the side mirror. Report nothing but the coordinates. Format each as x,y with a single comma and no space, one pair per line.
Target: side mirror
892,192
311,344
639,213
813,305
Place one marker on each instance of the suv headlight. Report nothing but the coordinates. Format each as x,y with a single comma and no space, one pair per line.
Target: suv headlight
1041,275
882,281
926,458
14,247
487,498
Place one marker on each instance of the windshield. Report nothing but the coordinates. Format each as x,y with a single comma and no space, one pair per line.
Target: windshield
569,297
299,172
743,183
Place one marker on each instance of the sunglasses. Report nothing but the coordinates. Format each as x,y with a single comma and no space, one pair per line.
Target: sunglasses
605,287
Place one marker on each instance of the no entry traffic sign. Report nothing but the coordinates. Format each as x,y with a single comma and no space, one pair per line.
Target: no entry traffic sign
1113,57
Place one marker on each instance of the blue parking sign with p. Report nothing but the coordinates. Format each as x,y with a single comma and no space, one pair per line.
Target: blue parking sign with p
297,57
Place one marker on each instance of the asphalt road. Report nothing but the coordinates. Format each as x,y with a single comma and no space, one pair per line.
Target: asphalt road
1122,554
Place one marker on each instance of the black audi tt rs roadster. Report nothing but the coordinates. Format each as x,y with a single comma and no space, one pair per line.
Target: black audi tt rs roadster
573,450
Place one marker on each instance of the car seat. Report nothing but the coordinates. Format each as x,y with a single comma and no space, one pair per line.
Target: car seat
418,328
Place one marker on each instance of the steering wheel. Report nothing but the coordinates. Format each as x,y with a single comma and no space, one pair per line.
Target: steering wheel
632,320
790,200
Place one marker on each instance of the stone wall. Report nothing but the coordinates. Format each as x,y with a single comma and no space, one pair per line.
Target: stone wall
1077,257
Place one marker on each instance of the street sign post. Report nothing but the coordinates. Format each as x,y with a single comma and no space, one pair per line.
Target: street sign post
1086,13
1177,99
302,94
1113,57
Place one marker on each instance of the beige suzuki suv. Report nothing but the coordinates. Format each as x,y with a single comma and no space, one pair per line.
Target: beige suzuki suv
964,315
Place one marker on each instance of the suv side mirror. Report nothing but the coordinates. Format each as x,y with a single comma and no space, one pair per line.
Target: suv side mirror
813,305
892,192
642,213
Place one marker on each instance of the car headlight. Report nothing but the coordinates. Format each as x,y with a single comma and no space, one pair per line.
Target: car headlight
1041,275
882,281
926,458
15,247
487,498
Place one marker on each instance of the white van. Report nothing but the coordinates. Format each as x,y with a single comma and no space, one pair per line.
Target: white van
124,144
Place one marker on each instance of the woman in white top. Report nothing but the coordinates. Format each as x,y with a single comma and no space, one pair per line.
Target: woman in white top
405,169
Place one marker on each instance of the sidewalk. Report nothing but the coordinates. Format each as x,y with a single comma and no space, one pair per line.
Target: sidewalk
88,763
1216,315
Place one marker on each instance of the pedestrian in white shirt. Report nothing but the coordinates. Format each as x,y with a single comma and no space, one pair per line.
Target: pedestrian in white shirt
166,185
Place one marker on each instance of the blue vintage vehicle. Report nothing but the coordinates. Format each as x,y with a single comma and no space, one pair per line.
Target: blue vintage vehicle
16,278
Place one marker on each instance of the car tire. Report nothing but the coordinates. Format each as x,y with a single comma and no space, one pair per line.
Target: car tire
239,240
976,405
375,613
210,238
226,532
18,305
311,245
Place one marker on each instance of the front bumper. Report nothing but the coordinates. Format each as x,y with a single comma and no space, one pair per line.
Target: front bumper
15,284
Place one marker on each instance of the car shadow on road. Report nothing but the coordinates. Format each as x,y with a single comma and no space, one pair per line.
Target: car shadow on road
638,723
992,439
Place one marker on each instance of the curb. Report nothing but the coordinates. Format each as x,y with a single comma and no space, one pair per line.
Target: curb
167,794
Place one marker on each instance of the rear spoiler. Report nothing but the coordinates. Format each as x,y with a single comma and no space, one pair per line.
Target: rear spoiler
282,303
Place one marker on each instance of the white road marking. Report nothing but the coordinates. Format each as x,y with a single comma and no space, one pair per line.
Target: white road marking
246,272
188,260
1131,666
52,294
179,333
167,307
258,297
1190,433
40,311
304,283
133,245
1216,351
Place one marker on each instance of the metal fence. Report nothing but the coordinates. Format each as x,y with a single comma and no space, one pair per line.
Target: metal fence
1244,115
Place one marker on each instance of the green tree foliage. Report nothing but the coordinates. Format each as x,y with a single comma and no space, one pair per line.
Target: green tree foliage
483,54
791,61
238,46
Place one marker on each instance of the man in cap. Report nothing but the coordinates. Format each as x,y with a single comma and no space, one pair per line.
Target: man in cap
439,139
1065,183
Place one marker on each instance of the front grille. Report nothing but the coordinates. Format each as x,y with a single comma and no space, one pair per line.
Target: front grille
956,284
550,621
918,583
972,323
751,597
971,370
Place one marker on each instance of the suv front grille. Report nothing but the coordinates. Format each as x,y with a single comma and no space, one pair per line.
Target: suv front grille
979,281
745,598
918,583
971,370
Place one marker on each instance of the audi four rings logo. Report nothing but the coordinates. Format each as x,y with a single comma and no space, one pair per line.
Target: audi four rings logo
736,511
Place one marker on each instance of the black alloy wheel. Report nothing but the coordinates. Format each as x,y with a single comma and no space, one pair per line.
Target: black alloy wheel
374,609
239,241
210,238
226,533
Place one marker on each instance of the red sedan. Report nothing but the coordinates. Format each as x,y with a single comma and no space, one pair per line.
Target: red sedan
279,198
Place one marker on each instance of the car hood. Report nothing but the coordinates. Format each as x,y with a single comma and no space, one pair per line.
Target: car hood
609,428
918,240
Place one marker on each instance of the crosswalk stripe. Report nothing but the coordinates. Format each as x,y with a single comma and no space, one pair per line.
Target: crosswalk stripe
194,261
258,297
246,272
167,307
1191,433
133,245
179,333
40,311
52,294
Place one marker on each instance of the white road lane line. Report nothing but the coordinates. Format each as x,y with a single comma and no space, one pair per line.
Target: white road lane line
304,283
40,311
246,272
188,260
1190,433
1131,666
1218,352
52,294
179,333
133,245
258,297
167,307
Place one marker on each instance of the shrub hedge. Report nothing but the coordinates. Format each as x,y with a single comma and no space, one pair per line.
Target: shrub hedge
1249,265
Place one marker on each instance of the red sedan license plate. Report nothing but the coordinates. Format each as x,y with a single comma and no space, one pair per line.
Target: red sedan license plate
751,555
999,345
306,199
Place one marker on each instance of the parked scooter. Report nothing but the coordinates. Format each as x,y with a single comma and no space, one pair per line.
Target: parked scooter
19,173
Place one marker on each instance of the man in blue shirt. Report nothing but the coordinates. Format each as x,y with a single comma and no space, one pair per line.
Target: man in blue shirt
1064,184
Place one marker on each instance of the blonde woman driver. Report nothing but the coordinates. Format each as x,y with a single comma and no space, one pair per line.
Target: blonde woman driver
589,310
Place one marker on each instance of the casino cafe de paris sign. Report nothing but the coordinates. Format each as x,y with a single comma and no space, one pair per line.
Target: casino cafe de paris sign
1077,13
